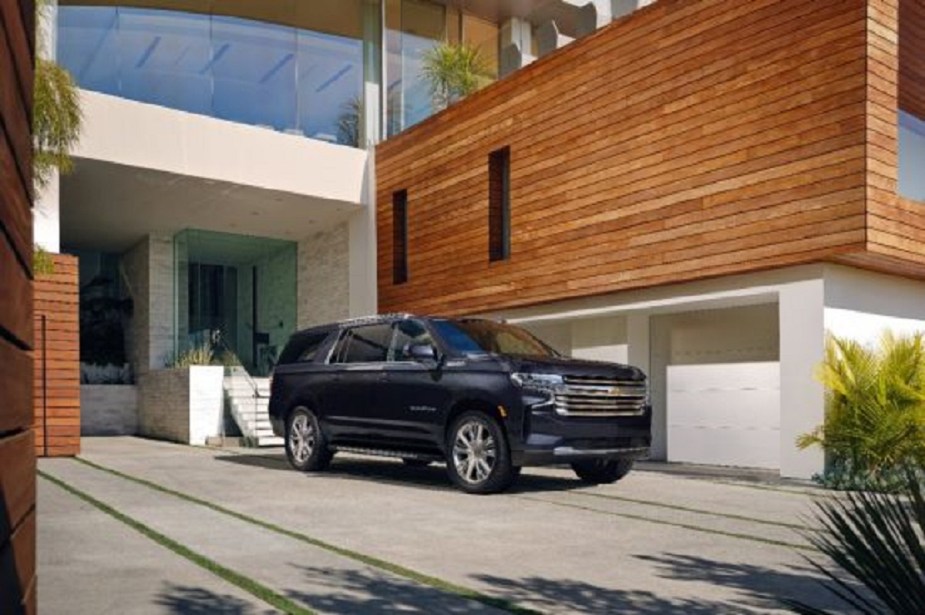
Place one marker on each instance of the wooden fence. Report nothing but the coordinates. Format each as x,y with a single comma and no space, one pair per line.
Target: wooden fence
57,360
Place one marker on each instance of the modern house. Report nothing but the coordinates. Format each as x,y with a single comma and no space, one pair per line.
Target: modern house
702,188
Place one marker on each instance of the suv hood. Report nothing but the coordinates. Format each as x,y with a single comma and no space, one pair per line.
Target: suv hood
575,367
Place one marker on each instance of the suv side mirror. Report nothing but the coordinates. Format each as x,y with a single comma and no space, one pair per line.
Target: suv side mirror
421,352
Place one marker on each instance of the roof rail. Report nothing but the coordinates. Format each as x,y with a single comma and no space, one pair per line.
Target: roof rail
372,319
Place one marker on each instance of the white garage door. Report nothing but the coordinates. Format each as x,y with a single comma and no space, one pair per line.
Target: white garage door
724,414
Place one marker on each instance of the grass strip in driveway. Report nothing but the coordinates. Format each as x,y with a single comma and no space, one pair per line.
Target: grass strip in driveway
698,511
369,560
686,526
247,584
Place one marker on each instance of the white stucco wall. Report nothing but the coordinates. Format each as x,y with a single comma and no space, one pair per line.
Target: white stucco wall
138,134
46,216
862,305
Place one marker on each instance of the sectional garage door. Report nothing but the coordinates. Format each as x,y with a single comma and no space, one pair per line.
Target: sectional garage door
720,374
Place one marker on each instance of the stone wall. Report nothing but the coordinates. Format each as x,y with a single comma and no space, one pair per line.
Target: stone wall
163,404
108,410
148,275
181,405
324,277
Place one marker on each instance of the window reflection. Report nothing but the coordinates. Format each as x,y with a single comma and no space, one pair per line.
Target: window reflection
297,81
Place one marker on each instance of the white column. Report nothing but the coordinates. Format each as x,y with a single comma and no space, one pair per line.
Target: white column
802,398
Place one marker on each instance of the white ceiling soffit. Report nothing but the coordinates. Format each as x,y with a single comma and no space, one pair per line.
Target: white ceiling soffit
109,207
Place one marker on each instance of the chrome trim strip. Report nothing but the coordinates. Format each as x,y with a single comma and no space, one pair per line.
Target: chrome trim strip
563,451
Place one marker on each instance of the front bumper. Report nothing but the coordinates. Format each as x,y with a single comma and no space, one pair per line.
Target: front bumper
551,439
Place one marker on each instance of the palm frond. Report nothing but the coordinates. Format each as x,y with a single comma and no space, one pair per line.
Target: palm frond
453,71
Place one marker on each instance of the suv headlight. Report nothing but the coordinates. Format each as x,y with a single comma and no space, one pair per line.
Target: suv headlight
539,382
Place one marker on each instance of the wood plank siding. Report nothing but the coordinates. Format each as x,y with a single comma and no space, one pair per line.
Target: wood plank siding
57,357
17,459
896,80
685,141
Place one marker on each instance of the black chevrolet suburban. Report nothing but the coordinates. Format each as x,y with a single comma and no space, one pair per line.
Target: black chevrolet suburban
485,397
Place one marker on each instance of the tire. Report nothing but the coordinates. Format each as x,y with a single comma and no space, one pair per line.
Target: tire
602,471
478,457
302,427
416,463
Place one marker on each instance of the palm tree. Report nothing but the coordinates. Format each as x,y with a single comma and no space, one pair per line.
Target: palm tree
453,71
56,116
875,407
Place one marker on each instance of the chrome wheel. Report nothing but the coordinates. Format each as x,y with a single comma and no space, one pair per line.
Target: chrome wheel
302,438
474,452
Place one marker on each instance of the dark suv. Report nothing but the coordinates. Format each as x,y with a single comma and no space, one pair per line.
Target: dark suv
486,397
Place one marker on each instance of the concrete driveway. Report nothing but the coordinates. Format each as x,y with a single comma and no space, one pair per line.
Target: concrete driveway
137,526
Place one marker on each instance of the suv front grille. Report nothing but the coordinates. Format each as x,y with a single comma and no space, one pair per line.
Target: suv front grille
590,396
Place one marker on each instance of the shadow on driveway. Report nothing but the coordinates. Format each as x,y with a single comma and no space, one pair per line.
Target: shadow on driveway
354,591
396,473
761,589
198,600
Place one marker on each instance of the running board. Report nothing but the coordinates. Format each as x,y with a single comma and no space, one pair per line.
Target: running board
381,452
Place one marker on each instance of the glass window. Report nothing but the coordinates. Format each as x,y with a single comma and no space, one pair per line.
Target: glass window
88,46
408,333
485,36
367,344
165,58
303,348
478,336
330,87
263,73
254,68
412,28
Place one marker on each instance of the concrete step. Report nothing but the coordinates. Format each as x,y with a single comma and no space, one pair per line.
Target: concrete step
269,441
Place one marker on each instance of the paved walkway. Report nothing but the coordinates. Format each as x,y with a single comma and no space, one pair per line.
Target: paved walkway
374,536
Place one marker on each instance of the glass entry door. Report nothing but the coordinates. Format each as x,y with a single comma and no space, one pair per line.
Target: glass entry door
235,293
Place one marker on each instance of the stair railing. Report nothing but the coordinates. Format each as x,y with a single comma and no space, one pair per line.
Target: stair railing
218,341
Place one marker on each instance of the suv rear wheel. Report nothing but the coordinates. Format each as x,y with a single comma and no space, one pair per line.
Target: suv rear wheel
478,458
601,471
306,447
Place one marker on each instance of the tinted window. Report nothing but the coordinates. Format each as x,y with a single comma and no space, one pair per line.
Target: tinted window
303,348
368,344
408,332
471,336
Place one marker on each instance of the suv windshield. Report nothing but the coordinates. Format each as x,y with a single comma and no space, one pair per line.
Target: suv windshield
481,336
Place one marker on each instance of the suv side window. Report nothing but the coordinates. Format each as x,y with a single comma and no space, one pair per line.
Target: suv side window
366,344
408,332
302,348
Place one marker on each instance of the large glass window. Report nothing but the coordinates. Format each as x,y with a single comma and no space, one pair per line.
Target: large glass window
911,157
296,80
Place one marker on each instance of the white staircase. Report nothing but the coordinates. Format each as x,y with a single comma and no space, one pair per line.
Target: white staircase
249,409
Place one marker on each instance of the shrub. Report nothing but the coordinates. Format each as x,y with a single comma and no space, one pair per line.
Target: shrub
875,410
879,541
201,354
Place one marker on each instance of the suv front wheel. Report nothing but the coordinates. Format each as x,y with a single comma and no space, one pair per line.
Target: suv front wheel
306,447
478,458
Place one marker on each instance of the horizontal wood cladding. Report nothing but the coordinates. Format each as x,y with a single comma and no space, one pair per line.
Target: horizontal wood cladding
689,140
912,57
56,360
17,458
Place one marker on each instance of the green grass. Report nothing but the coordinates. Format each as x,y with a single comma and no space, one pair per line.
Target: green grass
369,560
247,584
686,526
697,511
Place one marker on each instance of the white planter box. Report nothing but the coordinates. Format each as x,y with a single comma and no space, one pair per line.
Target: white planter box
183,404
